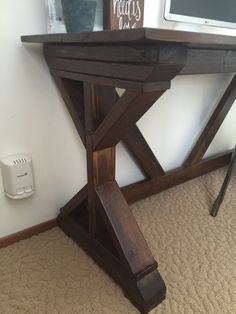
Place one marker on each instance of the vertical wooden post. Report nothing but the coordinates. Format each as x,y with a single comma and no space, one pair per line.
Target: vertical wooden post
100,163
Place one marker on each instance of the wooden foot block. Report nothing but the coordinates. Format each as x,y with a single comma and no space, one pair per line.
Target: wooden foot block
145,294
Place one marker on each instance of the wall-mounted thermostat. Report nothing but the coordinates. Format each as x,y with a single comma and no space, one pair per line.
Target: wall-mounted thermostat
17,176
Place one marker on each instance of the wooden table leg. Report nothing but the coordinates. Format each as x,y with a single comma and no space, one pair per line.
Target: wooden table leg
98,217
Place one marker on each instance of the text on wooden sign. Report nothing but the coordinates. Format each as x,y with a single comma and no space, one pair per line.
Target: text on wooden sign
125,14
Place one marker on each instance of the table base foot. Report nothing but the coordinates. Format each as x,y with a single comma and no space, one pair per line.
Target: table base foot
145,293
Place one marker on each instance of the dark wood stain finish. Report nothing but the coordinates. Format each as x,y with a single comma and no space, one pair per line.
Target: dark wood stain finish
142,153
87,68
213,124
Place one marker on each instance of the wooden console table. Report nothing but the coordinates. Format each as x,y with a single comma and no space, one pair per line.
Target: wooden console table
87,68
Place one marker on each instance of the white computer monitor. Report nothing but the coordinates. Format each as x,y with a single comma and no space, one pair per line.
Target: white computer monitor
221,13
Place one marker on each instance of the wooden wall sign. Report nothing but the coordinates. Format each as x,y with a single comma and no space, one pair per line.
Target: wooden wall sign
123,14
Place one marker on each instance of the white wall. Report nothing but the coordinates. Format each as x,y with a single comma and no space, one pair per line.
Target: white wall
34,121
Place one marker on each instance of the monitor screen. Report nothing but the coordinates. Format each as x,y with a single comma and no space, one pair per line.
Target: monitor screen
220,13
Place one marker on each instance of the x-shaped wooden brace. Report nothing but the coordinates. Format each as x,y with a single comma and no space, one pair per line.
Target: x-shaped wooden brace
107,217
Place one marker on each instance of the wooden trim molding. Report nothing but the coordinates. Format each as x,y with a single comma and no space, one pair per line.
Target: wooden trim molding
27,233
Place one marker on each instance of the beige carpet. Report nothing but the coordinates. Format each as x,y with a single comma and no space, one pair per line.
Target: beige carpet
50,274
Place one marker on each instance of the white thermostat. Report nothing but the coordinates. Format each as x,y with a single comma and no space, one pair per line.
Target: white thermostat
17,176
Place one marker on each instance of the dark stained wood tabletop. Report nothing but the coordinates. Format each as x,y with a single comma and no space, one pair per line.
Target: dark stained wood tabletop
142,35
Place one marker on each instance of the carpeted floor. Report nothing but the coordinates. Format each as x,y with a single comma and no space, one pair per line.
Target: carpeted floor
50,274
